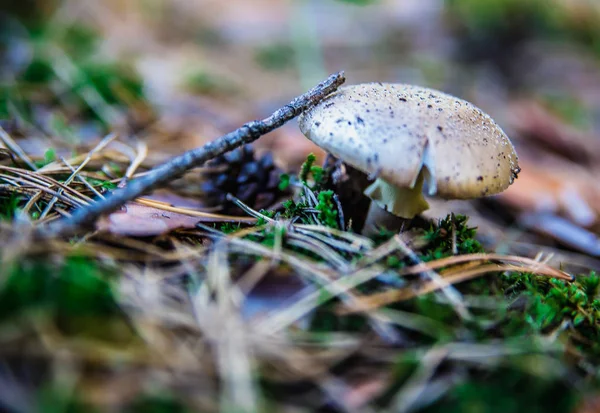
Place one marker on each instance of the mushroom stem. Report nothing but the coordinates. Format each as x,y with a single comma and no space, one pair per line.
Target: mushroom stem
403,202
379,218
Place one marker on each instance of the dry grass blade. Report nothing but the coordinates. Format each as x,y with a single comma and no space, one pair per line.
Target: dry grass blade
327,237
16,149
81,179
450,292
247,209
314,273
353,239
32,200
320,249
226,331
338,288
101,145
531,265
66,198
413,390
141,154
97,159
450,276
192,212
38,180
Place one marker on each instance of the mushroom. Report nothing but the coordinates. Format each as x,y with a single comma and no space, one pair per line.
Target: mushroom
413,139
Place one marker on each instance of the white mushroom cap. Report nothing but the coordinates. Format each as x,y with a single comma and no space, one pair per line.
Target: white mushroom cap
400,133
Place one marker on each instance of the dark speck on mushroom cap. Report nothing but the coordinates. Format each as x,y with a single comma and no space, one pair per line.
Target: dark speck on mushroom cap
396,129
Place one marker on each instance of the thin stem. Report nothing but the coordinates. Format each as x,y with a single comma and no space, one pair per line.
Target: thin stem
179,165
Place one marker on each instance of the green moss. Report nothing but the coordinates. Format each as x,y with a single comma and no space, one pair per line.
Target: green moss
230,227
492,19
109,186
39,71
450,231
548,303
9,206
76,294
156,404
49,157
325,321
311,178
52,398
496,14
206,83
428,306
328,208
98,183
269,214
305,169
507,389
79,40
66,59
277,56
569,109
284,182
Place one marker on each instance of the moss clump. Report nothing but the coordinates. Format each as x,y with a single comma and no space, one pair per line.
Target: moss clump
203,82
309,170
76,295
311,178
548,305
508,389
9,206
452,232
450,236
503,24
278,56
327,207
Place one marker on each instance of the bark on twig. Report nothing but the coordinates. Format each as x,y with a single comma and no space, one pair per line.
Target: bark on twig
193,158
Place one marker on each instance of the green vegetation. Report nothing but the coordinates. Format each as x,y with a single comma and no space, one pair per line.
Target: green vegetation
206,83
49,157
569,109
518,18
279,56
9,206
66,72
75,295
554,305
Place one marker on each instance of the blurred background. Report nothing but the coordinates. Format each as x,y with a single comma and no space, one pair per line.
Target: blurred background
178,73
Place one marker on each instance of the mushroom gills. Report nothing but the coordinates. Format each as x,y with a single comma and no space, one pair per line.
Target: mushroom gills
403,202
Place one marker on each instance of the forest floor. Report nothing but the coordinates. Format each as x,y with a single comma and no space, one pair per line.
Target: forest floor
246,284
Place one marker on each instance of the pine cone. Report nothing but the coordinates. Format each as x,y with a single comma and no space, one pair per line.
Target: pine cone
254,181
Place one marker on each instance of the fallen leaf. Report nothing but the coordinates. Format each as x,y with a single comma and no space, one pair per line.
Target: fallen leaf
143,221
145,218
